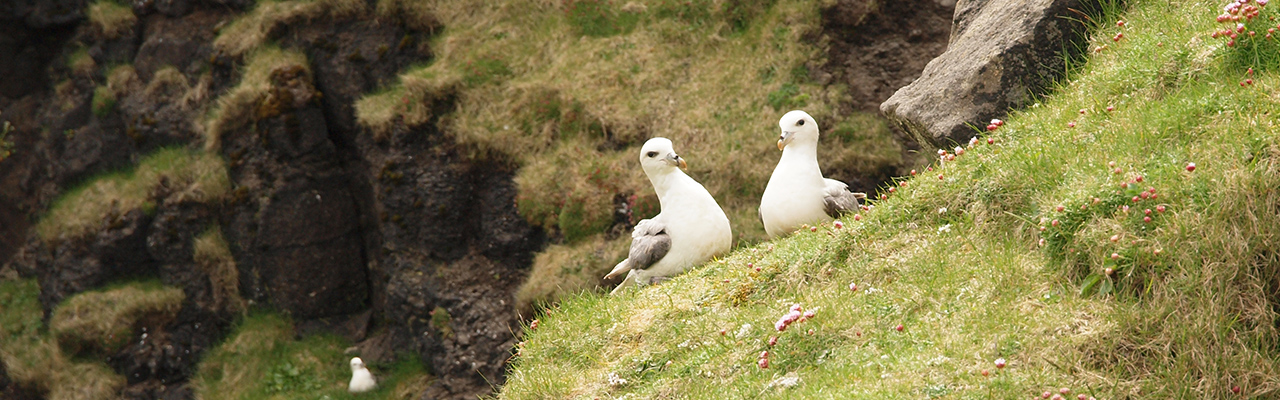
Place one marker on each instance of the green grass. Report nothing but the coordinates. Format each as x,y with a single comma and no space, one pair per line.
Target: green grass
261,359
196,176
32,356
599,18
568,92
956,256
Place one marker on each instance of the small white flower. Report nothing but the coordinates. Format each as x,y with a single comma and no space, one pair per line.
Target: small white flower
942,210
944,229
789,380
743,331
616,381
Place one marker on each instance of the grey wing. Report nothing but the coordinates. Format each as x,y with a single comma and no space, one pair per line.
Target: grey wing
649,243
837,199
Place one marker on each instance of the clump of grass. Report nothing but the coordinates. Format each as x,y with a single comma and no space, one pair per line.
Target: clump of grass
581,204
104,321
120,81
104,101
33,359
261,359
564,269
167,81
6,146
194,176
787,97
236,108
81,63
740,13
213,256
111,19
254,28
442,321
1000,253
415,101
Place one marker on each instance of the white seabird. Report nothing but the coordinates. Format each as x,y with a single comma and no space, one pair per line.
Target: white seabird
797,193
689,230
361,380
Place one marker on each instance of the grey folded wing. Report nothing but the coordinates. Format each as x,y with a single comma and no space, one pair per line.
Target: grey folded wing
649,243
837,199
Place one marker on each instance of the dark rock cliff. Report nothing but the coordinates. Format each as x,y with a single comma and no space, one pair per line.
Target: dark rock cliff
341,231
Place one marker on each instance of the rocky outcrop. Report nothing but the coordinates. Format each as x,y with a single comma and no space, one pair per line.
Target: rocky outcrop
873,48
454,251
1001,53
117,251
293,228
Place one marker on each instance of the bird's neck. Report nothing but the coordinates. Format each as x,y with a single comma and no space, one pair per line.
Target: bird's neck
665,184
801,154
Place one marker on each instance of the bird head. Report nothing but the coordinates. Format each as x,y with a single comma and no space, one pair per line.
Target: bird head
797,126
356,364
658,157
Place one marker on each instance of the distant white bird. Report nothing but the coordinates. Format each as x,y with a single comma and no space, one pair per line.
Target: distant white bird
361,380
690,229
797,193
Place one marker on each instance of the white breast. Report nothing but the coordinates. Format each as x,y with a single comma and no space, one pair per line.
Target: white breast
361,381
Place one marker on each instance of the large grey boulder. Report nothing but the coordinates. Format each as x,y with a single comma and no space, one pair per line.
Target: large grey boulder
1002,53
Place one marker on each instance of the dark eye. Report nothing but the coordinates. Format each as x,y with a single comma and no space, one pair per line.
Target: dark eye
652,154
800,123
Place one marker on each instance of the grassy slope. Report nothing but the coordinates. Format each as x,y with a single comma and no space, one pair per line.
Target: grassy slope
261,359
959,262
570,90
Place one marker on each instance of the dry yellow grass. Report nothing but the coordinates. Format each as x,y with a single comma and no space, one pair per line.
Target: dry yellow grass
195,176
562,269
214,257
250,31
111,19
235,108
167,82
104,321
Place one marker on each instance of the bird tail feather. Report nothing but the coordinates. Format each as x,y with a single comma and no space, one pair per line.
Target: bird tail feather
622,268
